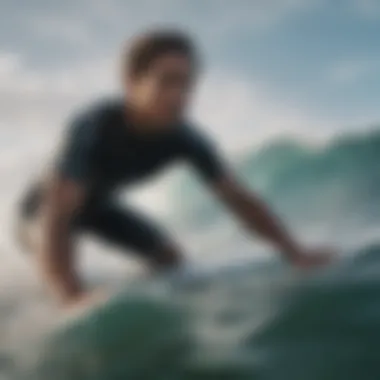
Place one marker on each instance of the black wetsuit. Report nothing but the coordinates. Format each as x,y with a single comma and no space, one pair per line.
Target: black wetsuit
104,151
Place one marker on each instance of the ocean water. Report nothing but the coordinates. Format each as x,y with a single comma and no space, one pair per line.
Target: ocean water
238,318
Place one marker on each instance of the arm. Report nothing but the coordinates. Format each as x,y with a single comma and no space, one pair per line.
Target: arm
63,199
255,214
248,207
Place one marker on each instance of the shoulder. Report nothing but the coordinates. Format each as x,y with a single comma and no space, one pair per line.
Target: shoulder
107,110
202,152
194,137
86,124
191,133
97,112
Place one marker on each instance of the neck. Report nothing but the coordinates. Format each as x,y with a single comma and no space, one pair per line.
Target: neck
141,121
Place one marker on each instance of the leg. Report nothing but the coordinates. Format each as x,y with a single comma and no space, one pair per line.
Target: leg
129,229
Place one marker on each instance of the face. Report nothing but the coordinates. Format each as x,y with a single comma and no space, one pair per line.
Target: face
162,93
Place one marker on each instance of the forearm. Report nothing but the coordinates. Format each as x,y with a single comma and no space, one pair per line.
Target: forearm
257,217
56,260
261,219
254,213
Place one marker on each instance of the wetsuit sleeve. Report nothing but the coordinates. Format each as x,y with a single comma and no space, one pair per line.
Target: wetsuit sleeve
75,159
204,157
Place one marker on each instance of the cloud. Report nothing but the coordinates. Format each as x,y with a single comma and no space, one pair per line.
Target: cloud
370,9
97,25
243,112
352,70
39,98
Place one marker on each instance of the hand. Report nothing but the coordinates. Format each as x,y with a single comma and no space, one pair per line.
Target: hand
309,259
87,300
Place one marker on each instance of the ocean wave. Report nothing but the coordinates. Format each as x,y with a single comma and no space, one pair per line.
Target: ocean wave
337,183
253,322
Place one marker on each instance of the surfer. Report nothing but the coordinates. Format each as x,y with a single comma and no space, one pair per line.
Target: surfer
120,142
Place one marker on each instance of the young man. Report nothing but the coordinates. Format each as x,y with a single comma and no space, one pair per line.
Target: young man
120,142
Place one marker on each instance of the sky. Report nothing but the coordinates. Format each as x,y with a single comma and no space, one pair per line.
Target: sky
308,68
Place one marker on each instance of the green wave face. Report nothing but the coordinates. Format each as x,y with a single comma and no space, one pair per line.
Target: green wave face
253,322
332,183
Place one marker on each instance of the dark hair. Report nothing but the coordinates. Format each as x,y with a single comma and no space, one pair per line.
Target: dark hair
146,48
